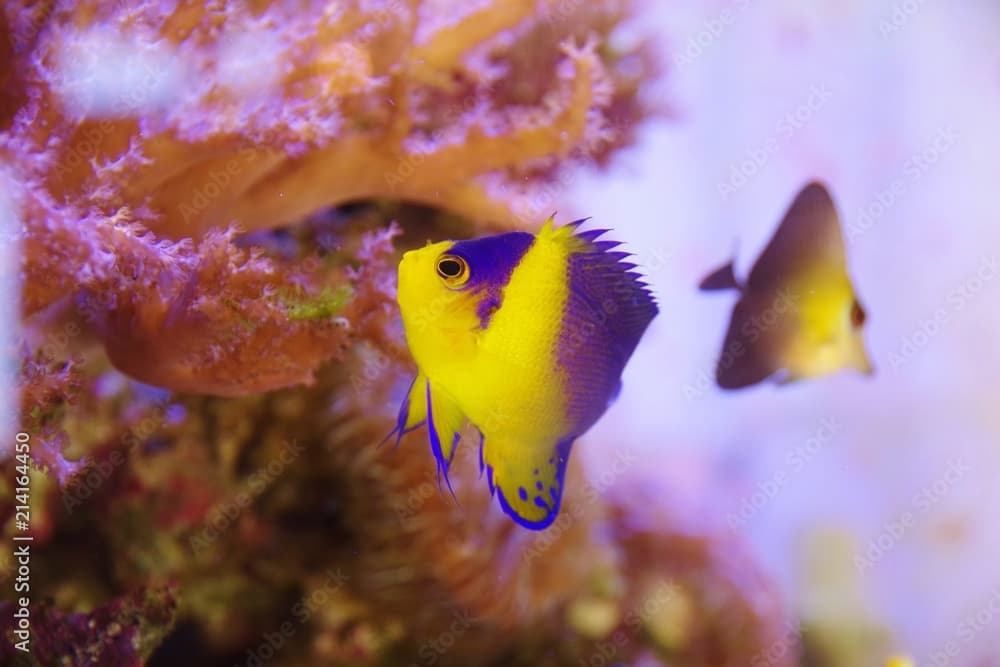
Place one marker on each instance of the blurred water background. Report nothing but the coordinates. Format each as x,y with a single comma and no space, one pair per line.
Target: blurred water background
863,496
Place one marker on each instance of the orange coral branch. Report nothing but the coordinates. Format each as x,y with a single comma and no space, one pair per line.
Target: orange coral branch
431,62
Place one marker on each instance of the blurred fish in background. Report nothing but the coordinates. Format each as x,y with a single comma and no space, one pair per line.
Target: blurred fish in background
797,316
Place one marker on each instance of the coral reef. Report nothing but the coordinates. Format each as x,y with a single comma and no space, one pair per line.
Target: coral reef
122,632
210,198
289,533
142,138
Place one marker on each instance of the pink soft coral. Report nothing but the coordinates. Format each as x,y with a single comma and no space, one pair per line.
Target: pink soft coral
144,138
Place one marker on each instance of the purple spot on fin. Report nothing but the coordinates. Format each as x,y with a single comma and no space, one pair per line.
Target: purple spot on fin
521,492
562,450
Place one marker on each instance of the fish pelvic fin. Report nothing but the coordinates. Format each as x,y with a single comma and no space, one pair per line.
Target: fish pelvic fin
720,279
445,421
412,411
527,478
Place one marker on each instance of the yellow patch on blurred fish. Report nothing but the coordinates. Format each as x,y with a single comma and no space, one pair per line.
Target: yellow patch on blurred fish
525,337
798,316
900,661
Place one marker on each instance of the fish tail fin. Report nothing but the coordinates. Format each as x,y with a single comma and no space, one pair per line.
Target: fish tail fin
722,278
527,478
412,411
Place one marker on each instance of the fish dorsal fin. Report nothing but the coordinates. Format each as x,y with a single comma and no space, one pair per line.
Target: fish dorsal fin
563,234
608,309
808,237
527,478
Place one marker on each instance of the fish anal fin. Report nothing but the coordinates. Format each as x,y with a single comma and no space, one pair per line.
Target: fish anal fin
527,478
720,279
750,353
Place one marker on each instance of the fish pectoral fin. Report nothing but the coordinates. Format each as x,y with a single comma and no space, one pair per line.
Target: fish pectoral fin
412,411
527,478
445,421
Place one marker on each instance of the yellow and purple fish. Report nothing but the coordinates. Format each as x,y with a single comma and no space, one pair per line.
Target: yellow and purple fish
797,316
524,336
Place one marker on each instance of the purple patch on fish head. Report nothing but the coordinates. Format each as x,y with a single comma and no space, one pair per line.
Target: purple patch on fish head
491,262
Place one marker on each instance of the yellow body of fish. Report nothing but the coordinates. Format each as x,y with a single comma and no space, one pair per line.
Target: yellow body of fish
827,336
497,327
488,373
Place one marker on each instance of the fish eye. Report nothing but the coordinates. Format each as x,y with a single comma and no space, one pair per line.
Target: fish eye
453,269
857,314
